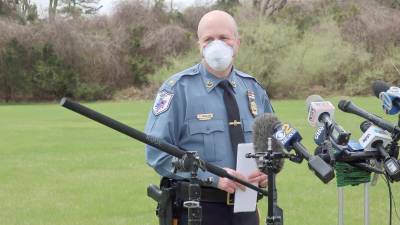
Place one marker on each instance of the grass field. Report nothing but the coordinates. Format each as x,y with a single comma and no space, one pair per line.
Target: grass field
59,168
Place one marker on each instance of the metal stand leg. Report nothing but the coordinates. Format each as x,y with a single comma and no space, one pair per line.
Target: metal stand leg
366,204
341,206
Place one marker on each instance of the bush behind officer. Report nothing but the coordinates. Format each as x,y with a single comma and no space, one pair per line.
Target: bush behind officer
210,108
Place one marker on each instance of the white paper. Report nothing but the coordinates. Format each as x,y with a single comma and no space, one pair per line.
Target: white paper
245,201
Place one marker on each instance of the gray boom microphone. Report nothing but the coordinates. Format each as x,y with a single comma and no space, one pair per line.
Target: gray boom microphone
262,130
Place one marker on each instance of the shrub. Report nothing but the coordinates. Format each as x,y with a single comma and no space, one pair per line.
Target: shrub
263,47
192,16
14,79
321,58
91,92
51,77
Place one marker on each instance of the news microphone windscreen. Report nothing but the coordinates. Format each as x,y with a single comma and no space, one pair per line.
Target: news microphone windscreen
263,128
313,98
379,86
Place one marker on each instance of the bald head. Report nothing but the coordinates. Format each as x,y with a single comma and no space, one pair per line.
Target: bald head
217,19
218,25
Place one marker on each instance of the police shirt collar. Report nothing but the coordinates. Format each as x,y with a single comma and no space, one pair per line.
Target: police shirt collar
211,81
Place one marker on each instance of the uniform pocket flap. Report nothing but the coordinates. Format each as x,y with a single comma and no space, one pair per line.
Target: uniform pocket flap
248,125
205,127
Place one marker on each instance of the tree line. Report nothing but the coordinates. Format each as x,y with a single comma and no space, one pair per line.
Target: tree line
327,46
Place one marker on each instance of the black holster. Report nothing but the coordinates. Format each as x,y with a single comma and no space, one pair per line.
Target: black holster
165,197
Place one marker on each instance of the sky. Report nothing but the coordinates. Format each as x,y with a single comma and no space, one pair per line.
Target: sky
108,4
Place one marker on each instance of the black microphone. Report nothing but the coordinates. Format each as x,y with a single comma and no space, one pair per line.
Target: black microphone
379,86
349,107
290,139
262,130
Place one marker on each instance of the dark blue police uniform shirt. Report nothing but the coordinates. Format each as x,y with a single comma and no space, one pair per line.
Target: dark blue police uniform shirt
189,112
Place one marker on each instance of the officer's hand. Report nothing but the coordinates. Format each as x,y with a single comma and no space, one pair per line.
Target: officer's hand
229,185
258,177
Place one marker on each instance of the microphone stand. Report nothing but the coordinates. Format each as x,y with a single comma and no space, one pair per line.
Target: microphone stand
265,162
274,217
189,161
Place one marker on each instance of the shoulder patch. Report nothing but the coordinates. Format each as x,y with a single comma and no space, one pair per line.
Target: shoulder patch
162,102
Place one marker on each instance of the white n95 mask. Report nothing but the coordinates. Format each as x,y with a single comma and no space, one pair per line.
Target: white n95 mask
218,55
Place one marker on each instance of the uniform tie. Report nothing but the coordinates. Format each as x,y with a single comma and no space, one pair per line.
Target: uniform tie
232,110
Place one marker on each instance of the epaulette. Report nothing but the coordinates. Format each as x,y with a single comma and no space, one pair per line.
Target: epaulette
245,75
170,83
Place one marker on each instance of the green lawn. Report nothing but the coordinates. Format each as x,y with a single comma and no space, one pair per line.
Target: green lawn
57,167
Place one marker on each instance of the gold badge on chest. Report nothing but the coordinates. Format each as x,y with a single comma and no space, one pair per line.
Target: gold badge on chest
252,103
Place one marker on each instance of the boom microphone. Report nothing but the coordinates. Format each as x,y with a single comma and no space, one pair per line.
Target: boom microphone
262,130
148,139
290,139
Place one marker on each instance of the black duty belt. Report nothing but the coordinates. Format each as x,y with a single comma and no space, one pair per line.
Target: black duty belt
209,194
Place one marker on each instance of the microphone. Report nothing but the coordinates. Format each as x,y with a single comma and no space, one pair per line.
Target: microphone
290,139
378,87
332,153
390,97
320,113
262,130
373,136
350,107
319,110
352,153
320,135
150,140
376,139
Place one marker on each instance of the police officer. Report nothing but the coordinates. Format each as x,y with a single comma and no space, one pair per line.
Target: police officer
194,109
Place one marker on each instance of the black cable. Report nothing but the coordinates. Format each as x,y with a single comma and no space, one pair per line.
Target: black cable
390,197
395,209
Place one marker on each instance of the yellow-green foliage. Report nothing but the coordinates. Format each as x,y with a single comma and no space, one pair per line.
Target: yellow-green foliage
321,61
292,64
176,64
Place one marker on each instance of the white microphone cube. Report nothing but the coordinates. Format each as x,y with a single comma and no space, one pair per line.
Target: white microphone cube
318,108
373,135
